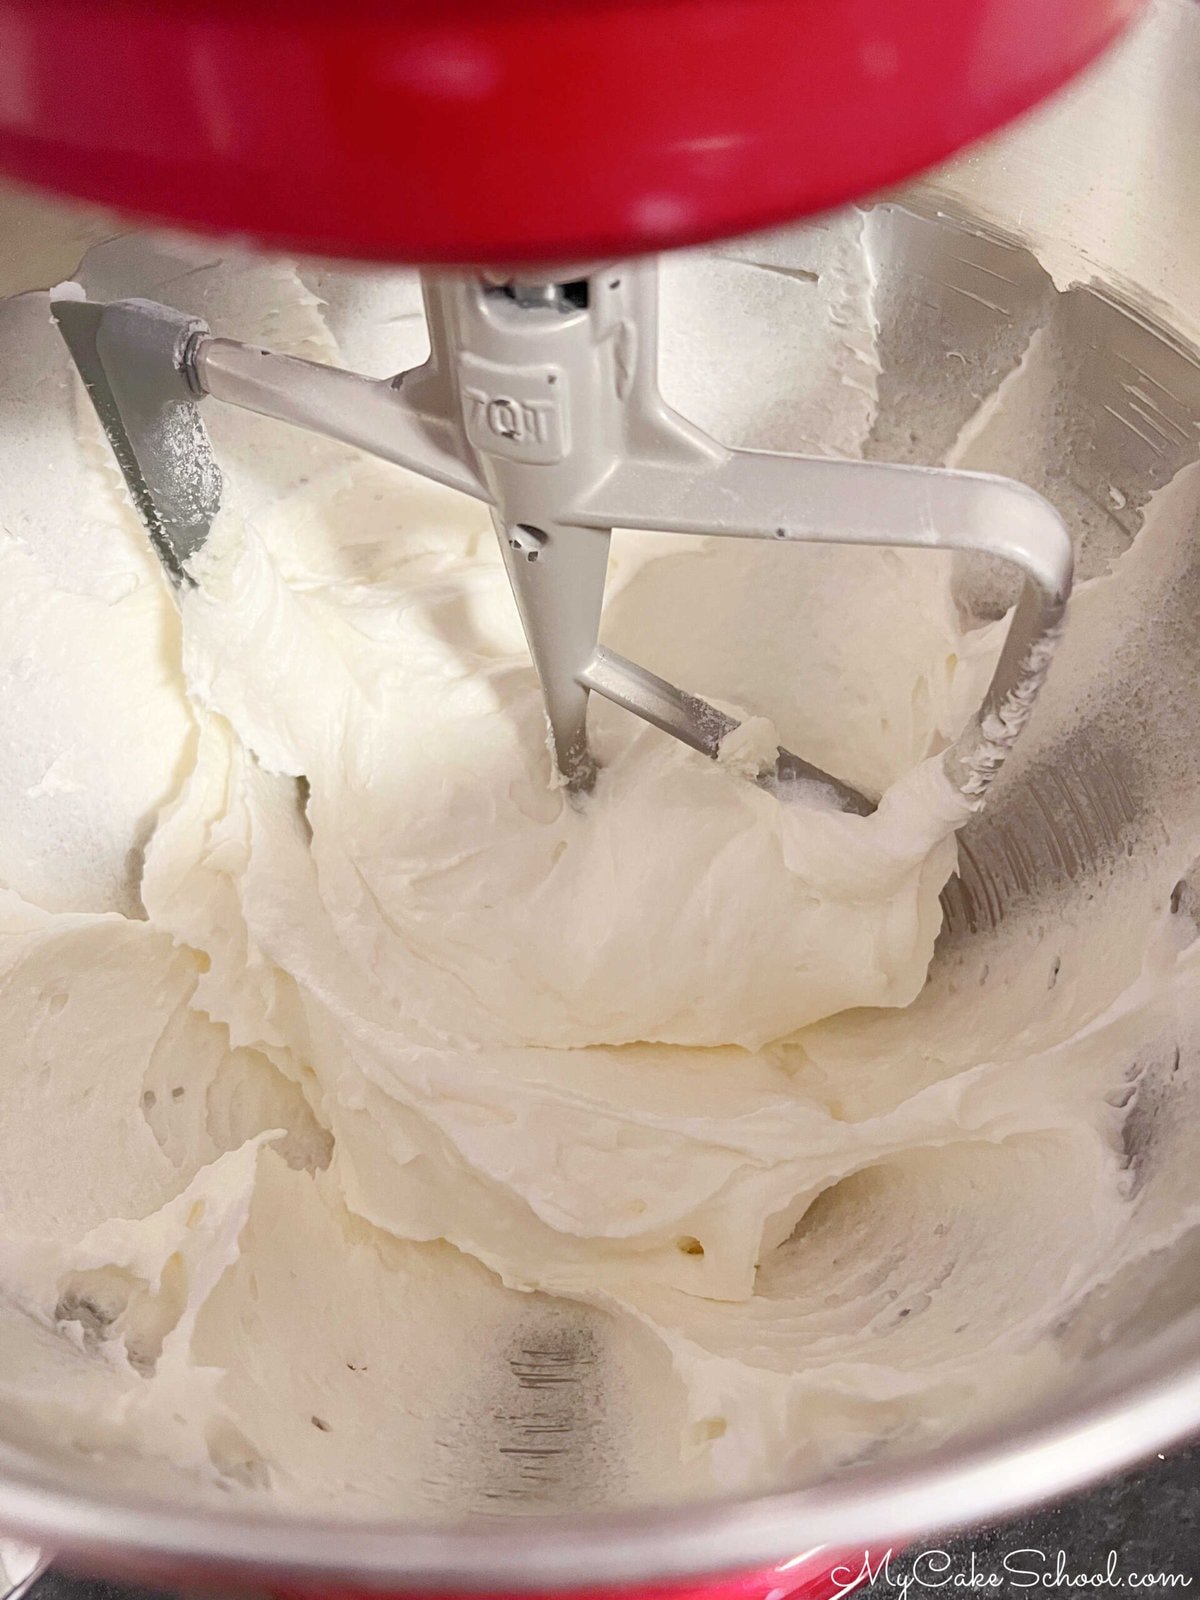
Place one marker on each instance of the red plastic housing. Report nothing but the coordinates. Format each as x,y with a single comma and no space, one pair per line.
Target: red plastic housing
818,1575
512,130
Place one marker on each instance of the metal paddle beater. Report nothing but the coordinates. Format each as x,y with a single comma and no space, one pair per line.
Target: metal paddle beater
540,398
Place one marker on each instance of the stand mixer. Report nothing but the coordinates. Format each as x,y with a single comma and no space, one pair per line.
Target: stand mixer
560,471
540,394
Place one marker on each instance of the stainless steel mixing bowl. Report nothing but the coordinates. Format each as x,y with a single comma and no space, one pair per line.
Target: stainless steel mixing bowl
1079,229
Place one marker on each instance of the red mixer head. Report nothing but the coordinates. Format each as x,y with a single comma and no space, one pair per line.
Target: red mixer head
512,130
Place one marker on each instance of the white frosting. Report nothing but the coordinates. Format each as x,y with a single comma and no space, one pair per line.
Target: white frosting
300,1112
